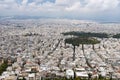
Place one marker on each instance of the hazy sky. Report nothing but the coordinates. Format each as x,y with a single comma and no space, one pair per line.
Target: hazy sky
106,10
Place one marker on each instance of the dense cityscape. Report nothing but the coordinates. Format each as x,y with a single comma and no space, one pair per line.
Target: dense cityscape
59,49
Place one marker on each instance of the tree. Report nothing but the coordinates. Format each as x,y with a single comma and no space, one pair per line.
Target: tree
86,34
116,36
3,67
93,42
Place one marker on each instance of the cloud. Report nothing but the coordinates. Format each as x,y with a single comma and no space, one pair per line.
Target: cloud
24,2
93,5
59,8
102,4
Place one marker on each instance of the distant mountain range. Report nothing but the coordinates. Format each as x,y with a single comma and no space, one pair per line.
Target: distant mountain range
22,17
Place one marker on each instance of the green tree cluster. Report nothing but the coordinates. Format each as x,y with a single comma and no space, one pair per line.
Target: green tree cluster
116,36
86,34
3,67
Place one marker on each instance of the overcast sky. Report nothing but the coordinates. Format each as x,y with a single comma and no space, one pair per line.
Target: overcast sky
101,10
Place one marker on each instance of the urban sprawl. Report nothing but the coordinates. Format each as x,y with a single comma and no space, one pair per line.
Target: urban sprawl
37,50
